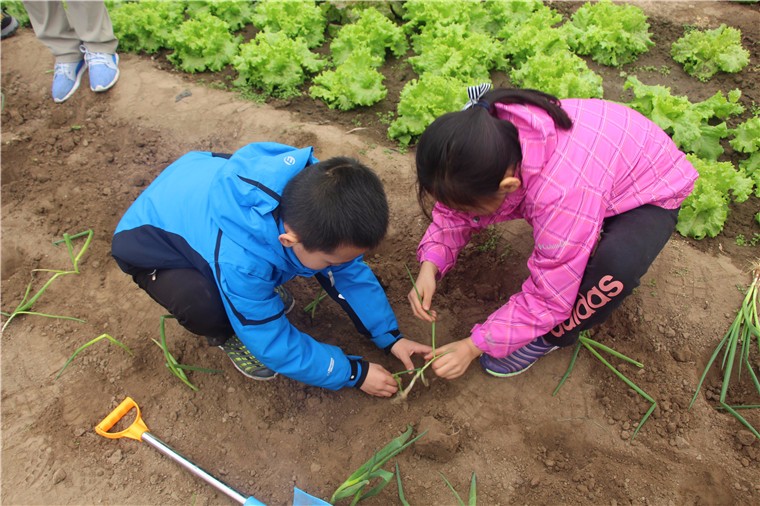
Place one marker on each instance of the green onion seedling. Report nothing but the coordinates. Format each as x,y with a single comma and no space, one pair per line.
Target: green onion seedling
171,363
593,346
745,326
113,340
372,470
27,302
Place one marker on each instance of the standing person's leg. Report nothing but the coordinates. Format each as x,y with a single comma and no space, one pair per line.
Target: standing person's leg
92,24
628,245
52,28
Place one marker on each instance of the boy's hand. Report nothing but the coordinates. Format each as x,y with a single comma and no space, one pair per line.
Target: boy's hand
405,348
456,360
425,289
379,382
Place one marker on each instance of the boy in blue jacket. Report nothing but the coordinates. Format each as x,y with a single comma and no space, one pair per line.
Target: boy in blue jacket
214,237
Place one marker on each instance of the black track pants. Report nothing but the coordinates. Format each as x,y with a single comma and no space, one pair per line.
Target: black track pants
191,298
628,245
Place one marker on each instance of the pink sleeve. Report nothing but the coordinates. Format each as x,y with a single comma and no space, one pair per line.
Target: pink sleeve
565,233
445,237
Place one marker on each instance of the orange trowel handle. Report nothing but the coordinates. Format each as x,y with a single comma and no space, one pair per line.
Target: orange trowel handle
134,431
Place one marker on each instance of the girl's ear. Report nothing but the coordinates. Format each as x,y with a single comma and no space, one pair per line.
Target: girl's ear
509,184
289,238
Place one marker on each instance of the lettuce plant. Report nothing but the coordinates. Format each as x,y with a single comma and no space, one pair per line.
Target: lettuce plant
705,53
355,82
145,26
424,99
203,43
372,31
235,13
562,73
747,140
424,13
293,18
276,63
704,212
691,125
612,34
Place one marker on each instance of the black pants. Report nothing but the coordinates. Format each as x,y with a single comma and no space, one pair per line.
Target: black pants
191,298
628,245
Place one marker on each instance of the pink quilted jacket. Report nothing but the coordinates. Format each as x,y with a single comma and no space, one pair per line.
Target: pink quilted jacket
612,160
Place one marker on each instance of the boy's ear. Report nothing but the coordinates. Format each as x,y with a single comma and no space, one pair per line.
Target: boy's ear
288,239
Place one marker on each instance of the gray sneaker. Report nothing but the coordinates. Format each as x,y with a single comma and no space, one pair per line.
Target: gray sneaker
245,362
286,296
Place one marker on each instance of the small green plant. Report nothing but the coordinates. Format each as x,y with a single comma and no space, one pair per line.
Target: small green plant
356,486
705,53
175,367
113,340
491,241
27,302
738,338
472,498
593,346
311,307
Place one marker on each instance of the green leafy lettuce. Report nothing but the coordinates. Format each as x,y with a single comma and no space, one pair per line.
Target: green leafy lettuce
355,82
145,26
705,53
704,212
612,34
372,31
203,43
276,63
302,19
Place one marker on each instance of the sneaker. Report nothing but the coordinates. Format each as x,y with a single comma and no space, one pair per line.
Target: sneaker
519,361
103,69
245,362
286,296
9,26
66,78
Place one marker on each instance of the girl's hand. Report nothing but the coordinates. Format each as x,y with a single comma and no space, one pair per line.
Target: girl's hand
379,382
405,348
456,360
425,287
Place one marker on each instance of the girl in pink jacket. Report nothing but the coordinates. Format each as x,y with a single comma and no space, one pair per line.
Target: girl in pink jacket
600,184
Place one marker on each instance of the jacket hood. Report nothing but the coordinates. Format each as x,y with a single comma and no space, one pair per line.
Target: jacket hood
248,187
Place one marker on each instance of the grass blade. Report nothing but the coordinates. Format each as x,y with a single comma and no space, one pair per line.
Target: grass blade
460,502
401,497
90,343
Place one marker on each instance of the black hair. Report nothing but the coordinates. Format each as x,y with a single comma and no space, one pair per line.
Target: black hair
336,202
462,156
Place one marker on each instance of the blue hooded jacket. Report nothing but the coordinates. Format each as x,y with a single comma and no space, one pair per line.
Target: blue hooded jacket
219,214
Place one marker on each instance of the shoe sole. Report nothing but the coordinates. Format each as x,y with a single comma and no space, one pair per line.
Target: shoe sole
511,374
101,89
74,88
10,29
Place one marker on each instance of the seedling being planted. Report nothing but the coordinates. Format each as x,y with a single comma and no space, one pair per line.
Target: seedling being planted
403,393
593,347
472,498
311,307
27,302
739,336
357,485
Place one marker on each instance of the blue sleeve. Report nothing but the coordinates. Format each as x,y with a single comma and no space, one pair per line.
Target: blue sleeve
354,286
257,317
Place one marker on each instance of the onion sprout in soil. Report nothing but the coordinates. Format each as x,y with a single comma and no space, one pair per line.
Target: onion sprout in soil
113,340
472,498
593,346
25,306
311,307
175,367
371,470
745,326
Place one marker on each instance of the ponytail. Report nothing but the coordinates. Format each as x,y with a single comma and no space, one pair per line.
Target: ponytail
548,103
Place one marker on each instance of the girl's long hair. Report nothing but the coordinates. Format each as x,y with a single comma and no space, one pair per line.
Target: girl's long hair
462,156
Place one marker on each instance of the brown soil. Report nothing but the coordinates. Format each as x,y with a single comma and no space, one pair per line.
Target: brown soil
77,166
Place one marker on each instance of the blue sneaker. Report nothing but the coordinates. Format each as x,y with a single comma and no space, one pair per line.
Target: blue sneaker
66,78
519,361
103,69
245,362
